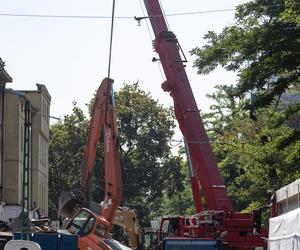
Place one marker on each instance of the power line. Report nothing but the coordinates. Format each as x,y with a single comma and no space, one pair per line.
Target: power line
106,17
199,12
61,16
123,17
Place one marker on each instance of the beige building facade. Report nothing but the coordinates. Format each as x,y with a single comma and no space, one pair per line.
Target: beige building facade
4,78
38,147
40,101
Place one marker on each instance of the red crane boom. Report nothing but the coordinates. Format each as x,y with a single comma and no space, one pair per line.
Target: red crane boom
187,112
219,225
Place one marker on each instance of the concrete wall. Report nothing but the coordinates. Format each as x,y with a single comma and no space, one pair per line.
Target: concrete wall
13,150
288,197
14,140
4,78
40,101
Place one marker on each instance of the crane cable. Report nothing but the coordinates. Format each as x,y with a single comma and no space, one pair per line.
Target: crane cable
109,62
111,38
164,14
152,39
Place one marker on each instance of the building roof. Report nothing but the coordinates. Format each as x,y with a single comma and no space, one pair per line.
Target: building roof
4,76
41,88
290,99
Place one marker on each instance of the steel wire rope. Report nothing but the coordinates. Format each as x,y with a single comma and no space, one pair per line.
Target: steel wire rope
109,57
191,142
111,38
168,26
147,24
164,14
152,39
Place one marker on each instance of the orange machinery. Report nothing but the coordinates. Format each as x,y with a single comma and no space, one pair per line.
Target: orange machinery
93,226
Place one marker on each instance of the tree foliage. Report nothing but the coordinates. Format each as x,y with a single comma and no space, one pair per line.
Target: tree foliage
180,202
149,170
253,160
262,47
66,145
256,147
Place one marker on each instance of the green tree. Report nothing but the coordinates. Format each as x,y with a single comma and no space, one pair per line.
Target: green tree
256,149
180,202
253,160
262,47
148,168
66,146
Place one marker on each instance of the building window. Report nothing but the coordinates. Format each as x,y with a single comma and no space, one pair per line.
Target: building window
48,114
40,149
44,204
43,110
22,138
43,151
40,194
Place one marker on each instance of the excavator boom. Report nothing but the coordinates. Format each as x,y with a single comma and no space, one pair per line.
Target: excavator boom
93,226
104,118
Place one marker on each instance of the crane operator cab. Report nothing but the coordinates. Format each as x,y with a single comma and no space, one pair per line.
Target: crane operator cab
171,227
172,236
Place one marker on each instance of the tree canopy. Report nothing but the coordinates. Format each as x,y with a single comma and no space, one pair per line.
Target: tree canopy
256,146
262,46
253,157
249,125
149,169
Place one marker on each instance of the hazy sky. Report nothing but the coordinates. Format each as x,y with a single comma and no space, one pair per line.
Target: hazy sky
70,56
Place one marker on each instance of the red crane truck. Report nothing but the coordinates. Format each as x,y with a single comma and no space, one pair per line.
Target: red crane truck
218,227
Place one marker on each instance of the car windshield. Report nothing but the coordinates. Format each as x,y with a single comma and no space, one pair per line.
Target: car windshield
82,224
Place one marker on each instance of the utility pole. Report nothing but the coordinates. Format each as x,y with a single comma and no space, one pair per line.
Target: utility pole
26,173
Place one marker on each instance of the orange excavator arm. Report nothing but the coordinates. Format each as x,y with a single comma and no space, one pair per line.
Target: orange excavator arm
93,226
103,119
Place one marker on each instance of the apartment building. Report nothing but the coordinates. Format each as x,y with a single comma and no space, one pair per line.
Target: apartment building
4,78
39,111
40,101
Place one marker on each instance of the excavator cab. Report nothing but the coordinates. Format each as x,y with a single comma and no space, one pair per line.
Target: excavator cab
85,222
90,227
